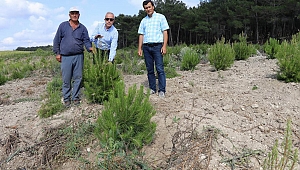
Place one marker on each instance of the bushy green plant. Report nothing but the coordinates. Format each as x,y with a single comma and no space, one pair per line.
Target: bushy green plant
221,55
190,59
282,156
271,48
242,50
127,118
288,56
99,79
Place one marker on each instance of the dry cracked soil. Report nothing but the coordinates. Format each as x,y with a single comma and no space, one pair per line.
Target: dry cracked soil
238,114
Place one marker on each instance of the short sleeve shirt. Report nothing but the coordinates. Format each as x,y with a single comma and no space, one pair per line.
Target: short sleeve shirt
152,28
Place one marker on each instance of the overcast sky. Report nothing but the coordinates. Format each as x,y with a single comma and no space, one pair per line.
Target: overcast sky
26,23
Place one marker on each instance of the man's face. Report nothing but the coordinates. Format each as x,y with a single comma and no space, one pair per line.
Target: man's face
149,9
109,20
74,15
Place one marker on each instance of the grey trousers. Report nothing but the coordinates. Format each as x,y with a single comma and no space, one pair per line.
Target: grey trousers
72,68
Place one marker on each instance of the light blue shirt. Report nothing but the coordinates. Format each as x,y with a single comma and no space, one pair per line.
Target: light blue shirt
109,41
153,27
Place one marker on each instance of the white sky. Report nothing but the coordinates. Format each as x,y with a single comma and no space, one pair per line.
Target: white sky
26,23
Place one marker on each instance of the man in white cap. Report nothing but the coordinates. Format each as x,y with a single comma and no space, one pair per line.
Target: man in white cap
68,45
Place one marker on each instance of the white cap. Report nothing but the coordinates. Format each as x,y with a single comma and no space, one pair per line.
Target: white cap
74,9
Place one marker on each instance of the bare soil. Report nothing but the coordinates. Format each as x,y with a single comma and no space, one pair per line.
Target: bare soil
238,113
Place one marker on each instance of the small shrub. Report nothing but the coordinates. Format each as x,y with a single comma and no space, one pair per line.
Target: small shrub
127,118
99,79
271,48
190,59
242,50
282,156
221,55
288,56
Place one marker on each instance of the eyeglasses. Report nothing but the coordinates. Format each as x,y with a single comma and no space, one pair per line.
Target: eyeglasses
111,19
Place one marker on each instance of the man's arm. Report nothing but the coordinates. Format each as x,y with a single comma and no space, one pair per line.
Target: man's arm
113,47
140,51
56,45
165,43
86,40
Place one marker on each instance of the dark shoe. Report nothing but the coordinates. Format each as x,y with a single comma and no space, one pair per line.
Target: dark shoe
67,104
76,102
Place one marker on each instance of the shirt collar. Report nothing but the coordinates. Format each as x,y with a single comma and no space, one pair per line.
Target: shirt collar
154,13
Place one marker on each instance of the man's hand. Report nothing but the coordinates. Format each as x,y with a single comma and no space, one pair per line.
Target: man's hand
98,36
58,57
140,52
163,50
93,50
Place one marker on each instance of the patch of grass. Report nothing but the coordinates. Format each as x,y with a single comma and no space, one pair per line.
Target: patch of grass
52,103
77,136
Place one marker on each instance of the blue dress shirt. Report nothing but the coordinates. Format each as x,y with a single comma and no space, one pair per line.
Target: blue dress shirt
109,41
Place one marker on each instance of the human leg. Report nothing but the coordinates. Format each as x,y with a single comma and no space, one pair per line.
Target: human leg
66,69
77,76
149,61
159,65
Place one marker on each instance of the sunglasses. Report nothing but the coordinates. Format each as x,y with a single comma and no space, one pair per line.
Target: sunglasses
111,19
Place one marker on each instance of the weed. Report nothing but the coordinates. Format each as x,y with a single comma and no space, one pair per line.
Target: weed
254,87
176,119
283,156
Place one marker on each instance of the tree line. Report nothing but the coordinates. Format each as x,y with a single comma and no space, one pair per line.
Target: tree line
45,48
211,20
259,20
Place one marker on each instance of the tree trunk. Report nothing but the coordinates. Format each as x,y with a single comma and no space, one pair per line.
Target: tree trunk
178,32
170,38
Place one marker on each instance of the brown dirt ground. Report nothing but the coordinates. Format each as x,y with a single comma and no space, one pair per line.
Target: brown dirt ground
238,119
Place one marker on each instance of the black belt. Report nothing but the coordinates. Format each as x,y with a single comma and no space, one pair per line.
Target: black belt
152,44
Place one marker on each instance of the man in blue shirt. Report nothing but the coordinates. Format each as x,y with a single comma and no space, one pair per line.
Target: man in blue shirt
68,45
105,37
153,38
